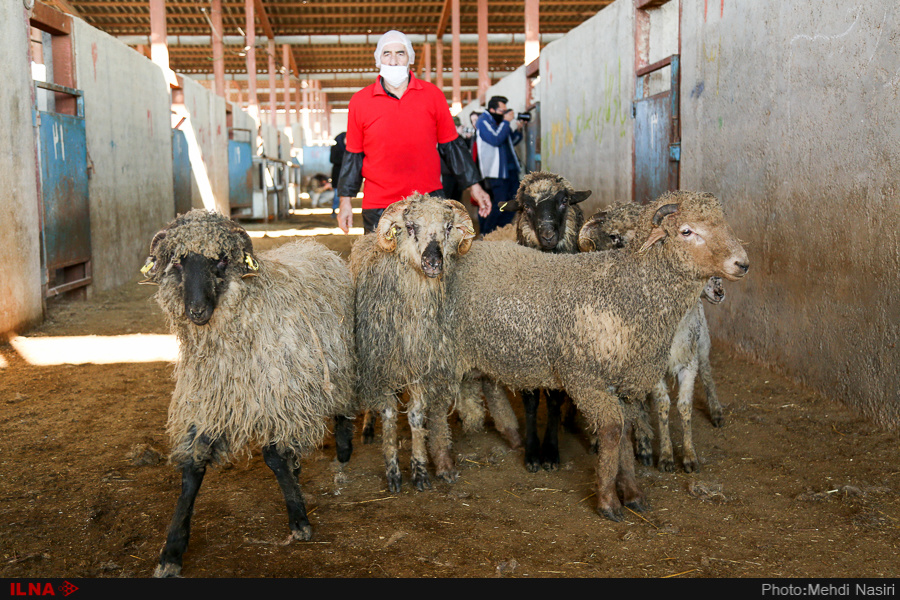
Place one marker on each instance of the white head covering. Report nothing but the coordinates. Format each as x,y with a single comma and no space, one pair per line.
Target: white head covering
394,37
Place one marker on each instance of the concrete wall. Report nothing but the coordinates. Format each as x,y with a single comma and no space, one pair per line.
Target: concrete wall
129,142
790,116
20,274
206,131
586,87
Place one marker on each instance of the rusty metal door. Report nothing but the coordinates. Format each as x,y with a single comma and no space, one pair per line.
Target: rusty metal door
657,149
240,169
65,216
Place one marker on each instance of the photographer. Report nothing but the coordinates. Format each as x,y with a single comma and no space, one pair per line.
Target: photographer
497,131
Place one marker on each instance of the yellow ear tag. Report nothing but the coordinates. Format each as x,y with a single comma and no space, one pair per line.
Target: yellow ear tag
251,262
146,268
392,232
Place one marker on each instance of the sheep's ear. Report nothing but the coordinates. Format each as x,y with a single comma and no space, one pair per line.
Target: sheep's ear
656,234
151,266
510,205
463,223
389,226
581,196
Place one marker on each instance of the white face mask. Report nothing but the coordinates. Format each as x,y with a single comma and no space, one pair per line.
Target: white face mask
394,75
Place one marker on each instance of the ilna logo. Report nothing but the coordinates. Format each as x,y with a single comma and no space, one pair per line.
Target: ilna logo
17,588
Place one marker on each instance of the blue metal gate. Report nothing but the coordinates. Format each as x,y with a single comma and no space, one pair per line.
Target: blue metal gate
181,172
240,171
657,149
65,215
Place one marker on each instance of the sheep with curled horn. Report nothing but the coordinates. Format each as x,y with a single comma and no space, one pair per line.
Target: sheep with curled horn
622,310
403,334
266,357
548,219
689,355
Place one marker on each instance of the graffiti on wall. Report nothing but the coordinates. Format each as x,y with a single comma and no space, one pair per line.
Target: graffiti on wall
597,116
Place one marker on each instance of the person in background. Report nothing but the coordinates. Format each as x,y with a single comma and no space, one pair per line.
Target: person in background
496,132
337,158
398,129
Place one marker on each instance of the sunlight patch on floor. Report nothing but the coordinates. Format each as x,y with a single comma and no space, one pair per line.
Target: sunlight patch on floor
304,232
3,363
96,349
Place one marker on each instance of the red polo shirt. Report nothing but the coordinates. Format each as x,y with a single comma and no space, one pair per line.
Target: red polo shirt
399,139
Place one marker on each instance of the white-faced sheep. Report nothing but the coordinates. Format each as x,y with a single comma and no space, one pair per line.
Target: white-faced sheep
403,335
689,355
266,357
621,312
548,219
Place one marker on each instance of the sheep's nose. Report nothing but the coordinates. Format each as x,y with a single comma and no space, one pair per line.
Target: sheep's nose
744,267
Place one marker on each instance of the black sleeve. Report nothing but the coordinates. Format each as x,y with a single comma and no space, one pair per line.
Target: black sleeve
459,157
350,179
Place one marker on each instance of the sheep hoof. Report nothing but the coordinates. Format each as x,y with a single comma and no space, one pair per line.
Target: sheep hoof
551,465
422,481
691,466
717,420
304,534
645,458
368,437
613,514
394,480
450,476
638,505
167,570
667,465
533,466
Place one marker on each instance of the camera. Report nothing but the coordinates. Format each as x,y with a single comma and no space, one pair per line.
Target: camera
522,116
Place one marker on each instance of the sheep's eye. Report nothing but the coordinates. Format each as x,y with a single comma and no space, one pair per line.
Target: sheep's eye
686,232
222,264
176,263
410,229
528,208
449,228
615,239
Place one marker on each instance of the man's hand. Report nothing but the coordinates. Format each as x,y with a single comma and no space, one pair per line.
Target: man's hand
482,199
345,214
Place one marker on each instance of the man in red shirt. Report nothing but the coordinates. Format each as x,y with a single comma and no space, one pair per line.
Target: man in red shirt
398,130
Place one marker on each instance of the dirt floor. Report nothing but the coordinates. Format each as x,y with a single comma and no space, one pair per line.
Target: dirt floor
793,485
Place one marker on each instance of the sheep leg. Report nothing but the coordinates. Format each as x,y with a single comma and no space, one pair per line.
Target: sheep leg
663,403
501,410
550,447
343,438
609,438
170,559
643,435
419,460
288,480
439,444
389,447
685,408
531,399
712,398
626,482
368,427
569,418
471,409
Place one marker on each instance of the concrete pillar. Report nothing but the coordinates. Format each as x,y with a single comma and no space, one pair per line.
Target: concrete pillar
484,80
250,29
532,30
159,50
456,99
218,51
286,63
427,61
273,85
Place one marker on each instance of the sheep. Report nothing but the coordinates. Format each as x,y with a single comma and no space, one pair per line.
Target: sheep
266,356
620,313
403,336
614,228
548,219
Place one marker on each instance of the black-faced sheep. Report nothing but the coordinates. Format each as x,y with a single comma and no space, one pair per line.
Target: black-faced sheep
548,219
622,310
689,355
403,336
266,357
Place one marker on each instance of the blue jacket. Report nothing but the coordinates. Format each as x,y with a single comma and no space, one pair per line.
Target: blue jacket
495,147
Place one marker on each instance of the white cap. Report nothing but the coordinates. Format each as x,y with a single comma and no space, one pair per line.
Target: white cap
394,37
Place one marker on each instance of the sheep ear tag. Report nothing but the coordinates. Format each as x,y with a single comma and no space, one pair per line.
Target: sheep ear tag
145,270
252,265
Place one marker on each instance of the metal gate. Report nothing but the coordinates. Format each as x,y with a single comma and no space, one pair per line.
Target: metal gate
65,214
657,147
181,172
